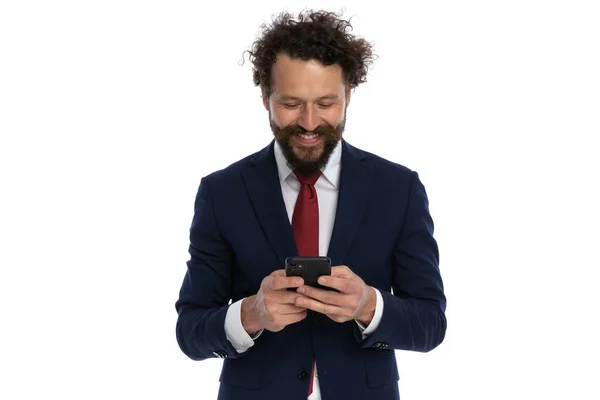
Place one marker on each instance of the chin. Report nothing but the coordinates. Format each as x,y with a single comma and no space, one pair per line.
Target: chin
308,153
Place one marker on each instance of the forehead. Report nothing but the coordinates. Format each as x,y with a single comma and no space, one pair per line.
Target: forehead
305,78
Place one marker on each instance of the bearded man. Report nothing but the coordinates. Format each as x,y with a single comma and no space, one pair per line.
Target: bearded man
310,193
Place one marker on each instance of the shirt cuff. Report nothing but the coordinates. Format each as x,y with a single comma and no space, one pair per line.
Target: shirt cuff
366,331
234,330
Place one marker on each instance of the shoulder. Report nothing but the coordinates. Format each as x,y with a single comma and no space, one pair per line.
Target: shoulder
233,171
391,179
382,167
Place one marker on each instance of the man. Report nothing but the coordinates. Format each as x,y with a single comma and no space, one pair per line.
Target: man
310,193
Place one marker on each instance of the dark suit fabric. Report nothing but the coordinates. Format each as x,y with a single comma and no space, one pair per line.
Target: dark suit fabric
383,231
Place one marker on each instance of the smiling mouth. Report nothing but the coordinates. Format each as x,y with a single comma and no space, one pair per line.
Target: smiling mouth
307,139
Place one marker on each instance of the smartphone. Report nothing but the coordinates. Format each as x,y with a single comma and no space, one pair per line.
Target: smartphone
309,268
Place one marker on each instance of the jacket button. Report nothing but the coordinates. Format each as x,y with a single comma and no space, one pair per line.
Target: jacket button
220,354
381,345
302,374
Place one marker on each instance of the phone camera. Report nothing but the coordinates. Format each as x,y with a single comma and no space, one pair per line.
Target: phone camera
293,263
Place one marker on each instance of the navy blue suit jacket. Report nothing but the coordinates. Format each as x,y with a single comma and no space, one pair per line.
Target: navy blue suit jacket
241,233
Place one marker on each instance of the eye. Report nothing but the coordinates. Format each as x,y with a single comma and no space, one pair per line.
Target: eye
291,105
325,105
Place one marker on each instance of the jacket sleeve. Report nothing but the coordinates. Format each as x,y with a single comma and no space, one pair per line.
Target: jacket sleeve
206,289
414,313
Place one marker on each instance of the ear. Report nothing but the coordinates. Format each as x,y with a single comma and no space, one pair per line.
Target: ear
348,94
265,100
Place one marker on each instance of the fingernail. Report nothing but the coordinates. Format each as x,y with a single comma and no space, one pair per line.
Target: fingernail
299,301
301,289
322,280
298,282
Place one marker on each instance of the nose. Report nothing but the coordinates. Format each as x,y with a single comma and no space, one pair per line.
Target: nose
309,119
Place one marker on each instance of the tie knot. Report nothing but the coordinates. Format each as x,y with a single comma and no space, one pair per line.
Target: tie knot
307,180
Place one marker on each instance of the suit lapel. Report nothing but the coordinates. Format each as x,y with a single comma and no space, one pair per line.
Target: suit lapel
262,182
354,193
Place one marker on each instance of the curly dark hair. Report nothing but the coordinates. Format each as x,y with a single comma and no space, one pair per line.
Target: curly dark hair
314,35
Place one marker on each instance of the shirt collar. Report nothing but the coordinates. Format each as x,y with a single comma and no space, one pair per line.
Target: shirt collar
331,171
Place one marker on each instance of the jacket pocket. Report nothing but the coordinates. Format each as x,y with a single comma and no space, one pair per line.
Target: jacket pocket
241,373
382,372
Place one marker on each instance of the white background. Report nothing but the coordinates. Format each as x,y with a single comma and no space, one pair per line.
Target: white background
112,111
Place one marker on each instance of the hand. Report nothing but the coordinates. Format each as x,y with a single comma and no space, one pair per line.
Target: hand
356,299
273,308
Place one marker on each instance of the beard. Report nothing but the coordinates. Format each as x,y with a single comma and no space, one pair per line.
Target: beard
308,160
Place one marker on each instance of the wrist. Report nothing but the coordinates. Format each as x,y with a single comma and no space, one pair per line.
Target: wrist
250,321
369,312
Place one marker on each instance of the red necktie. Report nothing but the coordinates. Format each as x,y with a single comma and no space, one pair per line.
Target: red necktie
305,225
305,221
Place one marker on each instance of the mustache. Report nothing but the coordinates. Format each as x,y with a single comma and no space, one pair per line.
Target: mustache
321,130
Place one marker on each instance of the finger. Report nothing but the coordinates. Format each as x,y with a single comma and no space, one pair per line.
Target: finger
339,318
293,318
284,282
287,297
286,309
287,319
344,285
322,308
327,296
341,271
278,272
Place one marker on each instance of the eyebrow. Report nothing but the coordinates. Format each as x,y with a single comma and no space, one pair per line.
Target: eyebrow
326,97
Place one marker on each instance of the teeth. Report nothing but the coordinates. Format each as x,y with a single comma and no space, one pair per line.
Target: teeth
308,137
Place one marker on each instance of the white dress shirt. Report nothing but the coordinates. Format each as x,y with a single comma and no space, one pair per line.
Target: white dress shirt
327,187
